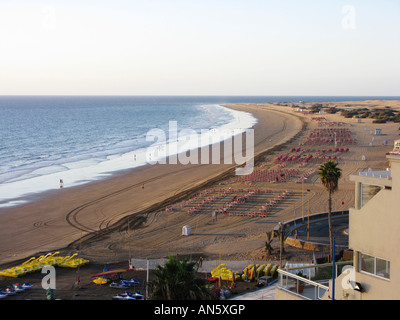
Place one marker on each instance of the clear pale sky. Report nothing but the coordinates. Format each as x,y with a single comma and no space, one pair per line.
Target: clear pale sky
187,47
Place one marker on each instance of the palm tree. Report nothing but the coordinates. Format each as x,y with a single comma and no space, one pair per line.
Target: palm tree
268,243
177,280
330,174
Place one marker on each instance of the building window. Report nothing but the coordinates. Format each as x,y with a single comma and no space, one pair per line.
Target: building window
373,265
382,268
368,192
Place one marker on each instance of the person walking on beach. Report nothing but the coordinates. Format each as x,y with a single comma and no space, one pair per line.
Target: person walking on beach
143,186
61,183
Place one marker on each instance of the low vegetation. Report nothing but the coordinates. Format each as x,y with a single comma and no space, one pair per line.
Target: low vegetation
379,115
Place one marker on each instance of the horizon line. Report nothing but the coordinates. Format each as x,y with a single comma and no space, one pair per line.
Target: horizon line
188,95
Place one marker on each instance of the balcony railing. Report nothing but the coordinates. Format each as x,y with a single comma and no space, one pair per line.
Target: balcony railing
377,174
316,283
302,287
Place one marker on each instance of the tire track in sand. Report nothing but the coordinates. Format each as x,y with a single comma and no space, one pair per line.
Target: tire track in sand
72,216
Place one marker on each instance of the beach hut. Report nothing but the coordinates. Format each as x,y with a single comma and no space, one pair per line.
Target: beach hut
186,231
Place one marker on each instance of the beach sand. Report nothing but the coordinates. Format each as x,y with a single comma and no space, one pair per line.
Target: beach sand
111,221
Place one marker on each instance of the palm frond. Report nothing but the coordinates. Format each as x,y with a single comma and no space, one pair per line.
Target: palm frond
330,174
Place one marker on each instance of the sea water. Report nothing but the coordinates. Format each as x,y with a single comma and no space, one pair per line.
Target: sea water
83,139
80,139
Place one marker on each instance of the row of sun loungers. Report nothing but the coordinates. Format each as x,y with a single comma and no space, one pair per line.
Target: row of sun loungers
306,175
273,176
231,208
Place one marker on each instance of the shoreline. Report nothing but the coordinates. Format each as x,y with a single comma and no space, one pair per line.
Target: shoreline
123,223
37,187
108,225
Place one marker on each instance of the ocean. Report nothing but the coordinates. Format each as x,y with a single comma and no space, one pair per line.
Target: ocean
80,139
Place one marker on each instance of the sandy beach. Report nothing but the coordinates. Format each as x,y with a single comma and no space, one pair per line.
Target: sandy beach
93,219
56,219
111,221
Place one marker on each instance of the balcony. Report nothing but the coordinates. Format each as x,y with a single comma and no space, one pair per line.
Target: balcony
312,287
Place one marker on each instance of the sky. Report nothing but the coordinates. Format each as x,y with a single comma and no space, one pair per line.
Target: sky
188,47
